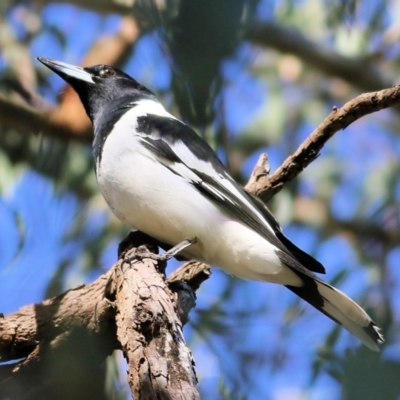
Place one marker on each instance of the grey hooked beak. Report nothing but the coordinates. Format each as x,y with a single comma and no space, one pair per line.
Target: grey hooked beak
67,71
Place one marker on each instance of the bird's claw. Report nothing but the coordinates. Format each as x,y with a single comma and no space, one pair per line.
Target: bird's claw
166,256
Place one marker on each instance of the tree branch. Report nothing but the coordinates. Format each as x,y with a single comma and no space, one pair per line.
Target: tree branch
125,7
139,314
72,332
27,119
69,120
100,6
340,118
355,71
150,332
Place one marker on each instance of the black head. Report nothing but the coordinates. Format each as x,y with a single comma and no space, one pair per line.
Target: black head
99,85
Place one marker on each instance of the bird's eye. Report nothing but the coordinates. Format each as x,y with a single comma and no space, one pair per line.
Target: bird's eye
106,72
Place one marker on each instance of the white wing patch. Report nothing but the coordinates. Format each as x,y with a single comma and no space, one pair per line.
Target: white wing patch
205,167
144,107
190,163
182,170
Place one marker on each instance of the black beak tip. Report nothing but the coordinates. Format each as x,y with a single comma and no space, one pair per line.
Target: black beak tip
49,63
44,60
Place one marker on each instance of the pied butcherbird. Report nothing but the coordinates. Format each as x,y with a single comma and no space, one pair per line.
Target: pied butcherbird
158,176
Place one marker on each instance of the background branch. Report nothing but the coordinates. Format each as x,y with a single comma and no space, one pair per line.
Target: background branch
68,120
355,71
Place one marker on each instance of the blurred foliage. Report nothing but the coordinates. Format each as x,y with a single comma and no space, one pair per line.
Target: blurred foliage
197,53
250,341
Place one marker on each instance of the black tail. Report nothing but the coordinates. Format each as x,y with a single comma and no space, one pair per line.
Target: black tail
340,308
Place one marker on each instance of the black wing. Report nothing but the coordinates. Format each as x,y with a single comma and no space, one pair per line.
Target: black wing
182,151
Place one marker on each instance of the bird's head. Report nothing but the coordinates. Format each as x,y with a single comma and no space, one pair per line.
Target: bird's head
97,85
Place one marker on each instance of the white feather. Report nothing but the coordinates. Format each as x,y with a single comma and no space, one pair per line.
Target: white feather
146,195
348,313
182,151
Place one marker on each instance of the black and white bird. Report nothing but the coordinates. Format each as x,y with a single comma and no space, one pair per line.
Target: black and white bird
158,176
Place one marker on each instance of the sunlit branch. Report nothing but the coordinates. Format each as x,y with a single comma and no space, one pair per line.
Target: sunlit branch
118,305
68,120
340,118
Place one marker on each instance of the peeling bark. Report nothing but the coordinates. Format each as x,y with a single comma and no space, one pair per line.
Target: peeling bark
131,307
150,332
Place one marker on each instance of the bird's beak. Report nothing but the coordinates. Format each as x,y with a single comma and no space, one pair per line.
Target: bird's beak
67,71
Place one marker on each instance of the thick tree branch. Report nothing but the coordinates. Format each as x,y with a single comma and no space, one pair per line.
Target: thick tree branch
140,315
72,332
22,331
150,332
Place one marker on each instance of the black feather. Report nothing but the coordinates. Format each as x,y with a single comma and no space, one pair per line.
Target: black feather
309,293
159,134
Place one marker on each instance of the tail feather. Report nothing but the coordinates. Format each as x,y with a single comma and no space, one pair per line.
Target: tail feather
340,308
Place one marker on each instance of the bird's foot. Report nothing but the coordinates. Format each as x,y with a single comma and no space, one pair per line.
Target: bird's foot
163,257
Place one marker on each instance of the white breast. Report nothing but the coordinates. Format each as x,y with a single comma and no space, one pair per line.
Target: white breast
149,197
145,194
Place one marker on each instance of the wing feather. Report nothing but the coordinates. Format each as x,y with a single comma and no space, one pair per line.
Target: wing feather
199,165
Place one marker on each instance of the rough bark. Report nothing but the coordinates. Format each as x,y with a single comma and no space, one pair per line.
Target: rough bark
62,343
150,332
22,331
132,307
